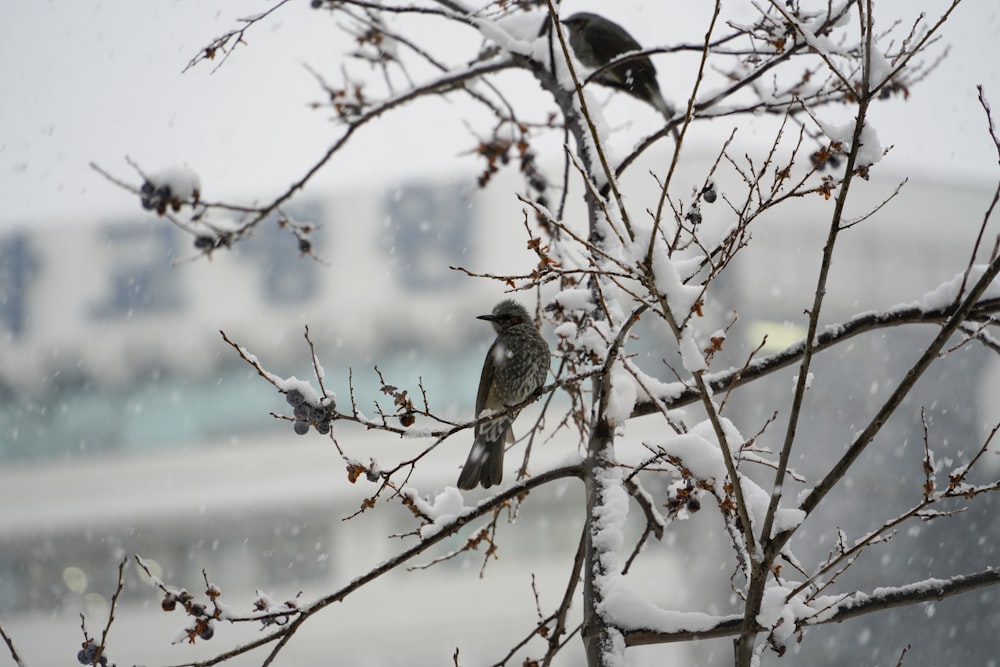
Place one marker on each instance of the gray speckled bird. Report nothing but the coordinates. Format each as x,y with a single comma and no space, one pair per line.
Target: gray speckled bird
515,366
596,41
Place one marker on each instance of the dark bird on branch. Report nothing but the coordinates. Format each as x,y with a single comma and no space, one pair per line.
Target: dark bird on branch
596,41
515,367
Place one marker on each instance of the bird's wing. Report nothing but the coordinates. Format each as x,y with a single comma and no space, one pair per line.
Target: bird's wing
484,397
488,397
610,41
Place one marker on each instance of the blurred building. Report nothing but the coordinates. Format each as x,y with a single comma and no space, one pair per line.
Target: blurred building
128,426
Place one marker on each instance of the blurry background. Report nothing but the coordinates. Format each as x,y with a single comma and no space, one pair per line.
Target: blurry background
127,425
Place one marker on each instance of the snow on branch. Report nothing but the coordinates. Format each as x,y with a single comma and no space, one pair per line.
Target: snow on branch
851,606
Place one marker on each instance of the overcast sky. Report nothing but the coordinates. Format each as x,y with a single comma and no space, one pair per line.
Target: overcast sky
97,81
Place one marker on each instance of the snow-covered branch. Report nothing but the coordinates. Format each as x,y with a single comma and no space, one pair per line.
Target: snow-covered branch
848,606
829,338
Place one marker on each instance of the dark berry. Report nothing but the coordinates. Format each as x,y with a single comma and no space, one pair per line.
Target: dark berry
86,655
301,427
206,631
693,216
693,505
709,194
305,246
295,397
302,411
204,242
317,413
323,427
169,604
146,196
153,197
316,4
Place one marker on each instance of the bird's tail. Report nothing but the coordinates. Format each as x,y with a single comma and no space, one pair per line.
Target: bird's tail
485,462
656,99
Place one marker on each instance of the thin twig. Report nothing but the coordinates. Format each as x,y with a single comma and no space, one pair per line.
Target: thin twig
10,647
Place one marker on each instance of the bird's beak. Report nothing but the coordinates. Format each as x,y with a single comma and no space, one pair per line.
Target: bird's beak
488,318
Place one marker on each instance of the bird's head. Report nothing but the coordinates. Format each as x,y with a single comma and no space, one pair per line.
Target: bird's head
579,21
506,314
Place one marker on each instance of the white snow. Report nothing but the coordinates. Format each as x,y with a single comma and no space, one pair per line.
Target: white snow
446,506
809,379
609,517
629,610
696,453
575,299
287,384
622,397
566,330
523,26
183,182
945,294
691,356
183,635
610,514
786,519
651,388
818,43
620,603
780,614
508,35
870,149
698,450
681,297
880,68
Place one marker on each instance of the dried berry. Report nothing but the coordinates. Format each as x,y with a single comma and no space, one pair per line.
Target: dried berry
295,397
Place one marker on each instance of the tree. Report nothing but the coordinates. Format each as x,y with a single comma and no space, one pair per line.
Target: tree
618,276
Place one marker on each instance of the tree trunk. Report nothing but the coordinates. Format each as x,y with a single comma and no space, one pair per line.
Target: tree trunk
599,638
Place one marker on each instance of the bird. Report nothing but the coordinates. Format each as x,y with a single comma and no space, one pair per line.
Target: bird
515,367
596,41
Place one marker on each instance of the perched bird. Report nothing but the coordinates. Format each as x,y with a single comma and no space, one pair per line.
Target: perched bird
596,41
515,366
